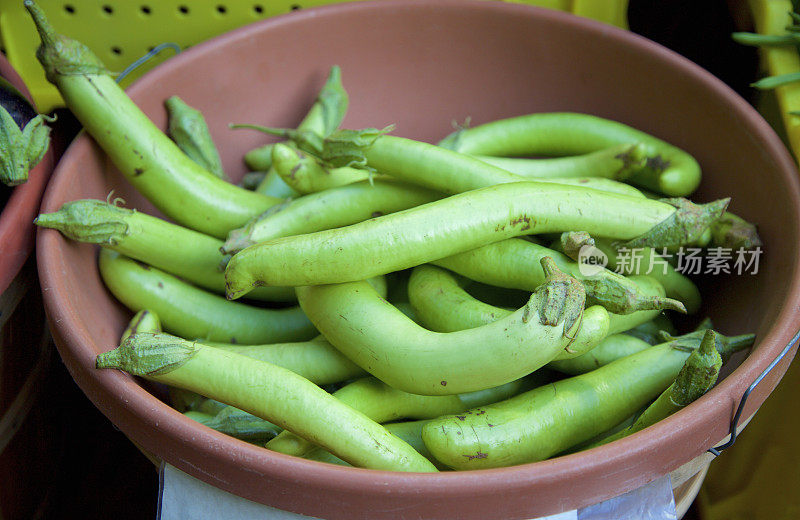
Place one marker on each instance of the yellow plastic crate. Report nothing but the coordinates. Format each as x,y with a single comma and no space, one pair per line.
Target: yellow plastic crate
757,478
770,17
745,483
121,31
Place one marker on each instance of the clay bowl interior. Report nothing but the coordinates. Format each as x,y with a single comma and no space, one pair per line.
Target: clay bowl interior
422,65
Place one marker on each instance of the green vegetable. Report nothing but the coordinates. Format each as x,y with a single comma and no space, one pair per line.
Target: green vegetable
188,128
617,162
598,183
409,431
382,403
339,149
213,414
153,163
259,159
208,406
416,360
443,170
547,420
316,360
443,306
267,391
143,321
645,261
413,161
698,376
237,423
406,309
432,166
188,254
733,232
571,242
623,322
184,400
21,149
324,117
687,225
668,169
515,264
251,180
453,225
329,209
650,331
581,446
305,175
190,312
610,349
728,231
273,185
200,417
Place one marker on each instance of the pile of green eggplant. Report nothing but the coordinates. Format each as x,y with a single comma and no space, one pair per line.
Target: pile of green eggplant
367,299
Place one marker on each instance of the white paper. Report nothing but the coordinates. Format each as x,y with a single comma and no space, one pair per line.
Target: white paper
183,497
653,501
566,515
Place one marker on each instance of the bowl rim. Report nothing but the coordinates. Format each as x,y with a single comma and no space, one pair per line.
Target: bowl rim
679,429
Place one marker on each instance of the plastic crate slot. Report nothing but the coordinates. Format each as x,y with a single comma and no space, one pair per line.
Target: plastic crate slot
101,24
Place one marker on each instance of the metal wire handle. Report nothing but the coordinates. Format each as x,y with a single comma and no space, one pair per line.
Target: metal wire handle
735,422
155,50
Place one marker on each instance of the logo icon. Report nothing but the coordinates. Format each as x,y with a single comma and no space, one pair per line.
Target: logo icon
591,261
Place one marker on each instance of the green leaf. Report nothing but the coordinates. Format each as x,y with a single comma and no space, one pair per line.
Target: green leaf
776,81
765,40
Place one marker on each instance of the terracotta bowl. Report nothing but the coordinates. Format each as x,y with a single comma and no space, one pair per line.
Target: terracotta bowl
21,311
422,65
26,449
16,220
